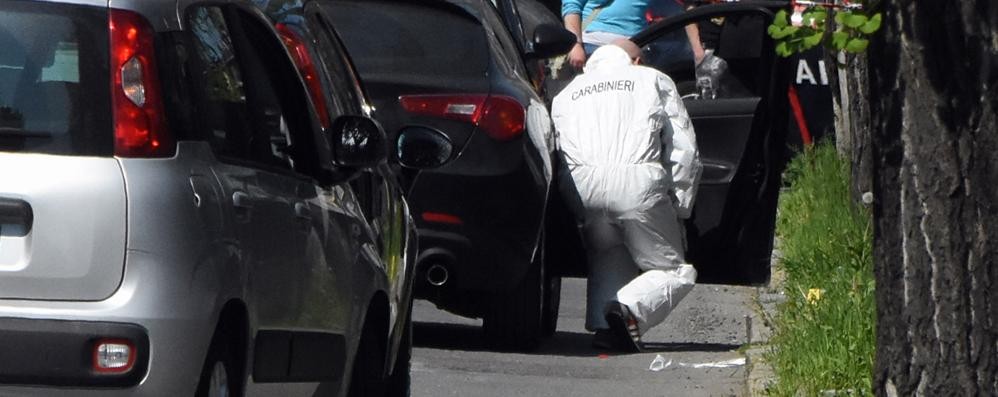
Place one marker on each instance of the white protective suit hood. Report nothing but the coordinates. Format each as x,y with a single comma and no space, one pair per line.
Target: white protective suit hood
607,57
616,159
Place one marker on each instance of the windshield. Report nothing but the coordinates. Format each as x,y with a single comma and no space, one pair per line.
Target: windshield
54,80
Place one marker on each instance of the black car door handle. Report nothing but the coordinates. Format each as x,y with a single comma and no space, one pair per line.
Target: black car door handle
16,212
302,211
242,200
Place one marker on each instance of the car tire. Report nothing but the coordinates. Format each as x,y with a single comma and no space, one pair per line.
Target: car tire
367,378
515,318
399,381
220,375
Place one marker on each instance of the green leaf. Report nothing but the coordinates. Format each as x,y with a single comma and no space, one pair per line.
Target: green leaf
782,49
855,20
840,18
780,20
872,25
839,40
776,32
857,45
813,40
815,18
795,45
773,30
780,33
790,31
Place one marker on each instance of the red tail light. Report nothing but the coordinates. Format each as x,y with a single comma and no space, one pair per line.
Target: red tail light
139,120
440,217
501,117
303,61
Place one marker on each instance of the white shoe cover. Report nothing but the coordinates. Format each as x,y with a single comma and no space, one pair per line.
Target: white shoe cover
651,296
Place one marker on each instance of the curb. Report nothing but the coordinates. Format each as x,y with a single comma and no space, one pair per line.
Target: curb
760,375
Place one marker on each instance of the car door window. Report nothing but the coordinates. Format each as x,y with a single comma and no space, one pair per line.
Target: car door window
239,111
346,91
736,39
511,19
496,31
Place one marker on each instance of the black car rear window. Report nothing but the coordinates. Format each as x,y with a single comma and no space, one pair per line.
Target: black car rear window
54,80
425,38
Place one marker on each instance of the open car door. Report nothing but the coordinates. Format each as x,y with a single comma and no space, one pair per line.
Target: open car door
741,133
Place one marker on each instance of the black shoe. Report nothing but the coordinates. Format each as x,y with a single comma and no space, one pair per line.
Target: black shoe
623,328
604,340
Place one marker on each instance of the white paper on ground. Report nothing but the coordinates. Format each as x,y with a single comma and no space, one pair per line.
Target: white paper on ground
659,363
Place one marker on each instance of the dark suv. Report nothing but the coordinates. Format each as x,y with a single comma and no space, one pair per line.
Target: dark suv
182,212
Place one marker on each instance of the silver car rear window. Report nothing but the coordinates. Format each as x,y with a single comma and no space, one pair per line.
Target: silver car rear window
54,79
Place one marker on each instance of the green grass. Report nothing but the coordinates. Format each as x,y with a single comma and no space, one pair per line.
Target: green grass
826,344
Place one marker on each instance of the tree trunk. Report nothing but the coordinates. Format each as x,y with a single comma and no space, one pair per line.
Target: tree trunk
851,104
841,102
860,145
934,73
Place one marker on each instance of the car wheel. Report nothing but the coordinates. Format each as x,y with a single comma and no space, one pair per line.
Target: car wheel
514,320
400,380
220,374
367,379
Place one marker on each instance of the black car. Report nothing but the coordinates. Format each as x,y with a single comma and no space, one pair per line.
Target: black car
463,71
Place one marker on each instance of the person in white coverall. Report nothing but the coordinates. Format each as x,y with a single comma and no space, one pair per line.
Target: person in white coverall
631,153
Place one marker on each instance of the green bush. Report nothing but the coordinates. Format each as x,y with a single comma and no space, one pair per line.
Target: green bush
824,340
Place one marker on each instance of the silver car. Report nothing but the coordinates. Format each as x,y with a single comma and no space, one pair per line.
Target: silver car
181,214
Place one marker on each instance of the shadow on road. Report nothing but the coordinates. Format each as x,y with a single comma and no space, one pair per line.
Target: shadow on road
448,336
563,343
653,347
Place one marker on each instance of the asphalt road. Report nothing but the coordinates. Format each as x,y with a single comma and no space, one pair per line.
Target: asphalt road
705,332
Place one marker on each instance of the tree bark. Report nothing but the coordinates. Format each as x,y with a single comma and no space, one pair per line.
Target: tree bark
851,104
841,103
860,141
934,73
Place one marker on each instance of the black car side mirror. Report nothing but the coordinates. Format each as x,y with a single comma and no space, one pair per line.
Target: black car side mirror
358,142
423,148
551,40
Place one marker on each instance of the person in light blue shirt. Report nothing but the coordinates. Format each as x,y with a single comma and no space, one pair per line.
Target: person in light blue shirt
614,20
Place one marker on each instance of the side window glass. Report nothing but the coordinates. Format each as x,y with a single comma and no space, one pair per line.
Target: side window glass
222,103
497,31
500,54
735,68
239,112
346,92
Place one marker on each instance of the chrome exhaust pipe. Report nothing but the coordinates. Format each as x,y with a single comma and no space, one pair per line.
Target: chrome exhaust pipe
437,275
